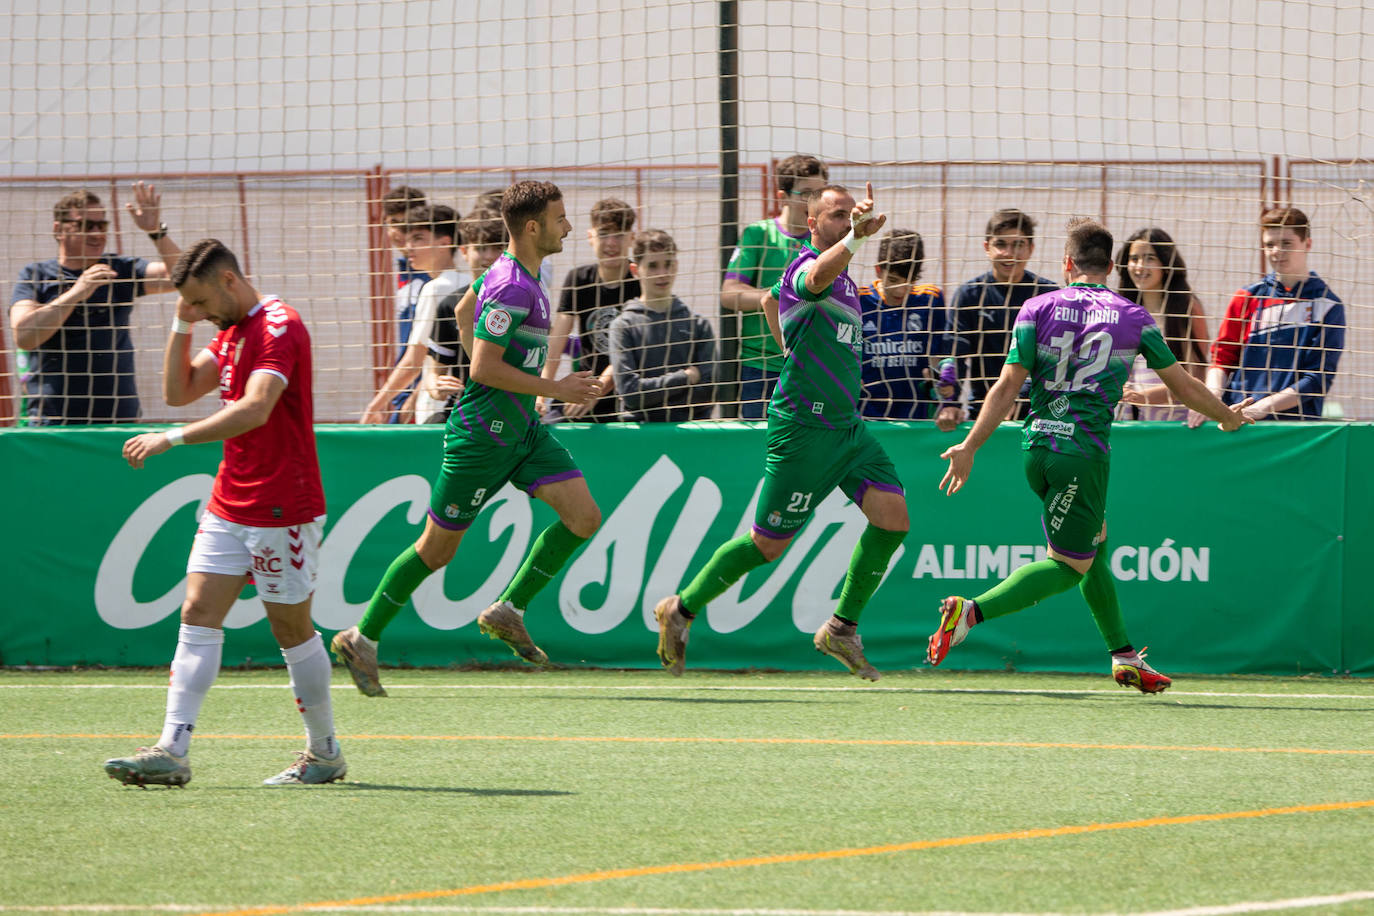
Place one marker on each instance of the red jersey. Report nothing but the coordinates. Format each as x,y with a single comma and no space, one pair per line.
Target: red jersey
270,476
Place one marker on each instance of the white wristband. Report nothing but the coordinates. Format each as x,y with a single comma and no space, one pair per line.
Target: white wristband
853,242
180,327
176,436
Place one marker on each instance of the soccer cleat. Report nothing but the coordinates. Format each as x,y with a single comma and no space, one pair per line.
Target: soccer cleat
501,621
841,641
310,770
952,629
360,658
1133,671
150,766
673,628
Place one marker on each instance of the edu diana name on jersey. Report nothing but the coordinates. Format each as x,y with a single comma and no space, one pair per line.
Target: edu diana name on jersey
1086,316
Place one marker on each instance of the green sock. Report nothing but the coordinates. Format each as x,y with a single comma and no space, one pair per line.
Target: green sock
403,576
866,567
1099,590
1029,585
731,561
550,551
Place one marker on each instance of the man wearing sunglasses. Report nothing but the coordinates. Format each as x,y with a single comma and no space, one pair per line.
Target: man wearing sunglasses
70,314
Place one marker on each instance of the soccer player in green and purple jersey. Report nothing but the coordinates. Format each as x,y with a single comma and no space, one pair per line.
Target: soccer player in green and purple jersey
816,439
1076,345
494,436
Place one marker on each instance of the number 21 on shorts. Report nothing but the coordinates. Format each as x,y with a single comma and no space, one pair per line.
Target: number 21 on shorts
801,502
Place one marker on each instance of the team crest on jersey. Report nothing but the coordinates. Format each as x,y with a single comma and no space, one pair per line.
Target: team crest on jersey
775,518
497,322
452,510
1059,406
914,322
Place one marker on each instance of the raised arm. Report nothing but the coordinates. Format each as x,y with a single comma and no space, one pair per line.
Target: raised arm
185,379
146,212
836,258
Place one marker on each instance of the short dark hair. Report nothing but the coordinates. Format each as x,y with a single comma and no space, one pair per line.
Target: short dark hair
652,240
439,219
1009,220
398,200
489,200
610,214
527,200
1089,244
76,200
902,252
203,260
1286,217
483,227
813,197
799,166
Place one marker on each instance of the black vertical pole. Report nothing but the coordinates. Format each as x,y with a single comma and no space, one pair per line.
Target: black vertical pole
727,389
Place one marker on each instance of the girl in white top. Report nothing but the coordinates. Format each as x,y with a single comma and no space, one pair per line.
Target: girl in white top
1154,275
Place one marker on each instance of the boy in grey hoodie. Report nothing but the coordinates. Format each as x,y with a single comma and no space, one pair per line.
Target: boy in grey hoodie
662,353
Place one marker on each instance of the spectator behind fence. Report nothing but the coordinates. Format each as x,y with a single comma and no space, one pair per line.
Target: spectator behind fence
446,368
662,353
985,307
1281,338
591,299
387,405
765,249
1153,274
905,332
429,236
70,314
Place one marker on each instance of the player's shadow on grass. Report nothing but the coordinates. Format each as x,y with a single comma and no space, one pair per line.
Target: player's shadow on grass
724,701
456,790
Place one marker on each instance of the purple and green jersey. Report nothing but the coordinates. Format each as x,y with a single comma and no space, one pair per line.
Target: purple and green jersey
513,312
1078,344
821,379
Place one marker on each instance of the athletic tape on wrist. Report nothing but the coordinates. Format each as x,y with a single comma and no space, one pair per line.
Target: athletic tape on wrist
176,436
180,327
853,242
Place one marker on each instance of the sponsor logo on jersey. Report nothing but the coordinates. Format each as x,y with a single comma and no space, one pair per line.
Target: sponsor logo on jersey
1052,427
817,406
1059,406
844,333
497,321
534,358
497,426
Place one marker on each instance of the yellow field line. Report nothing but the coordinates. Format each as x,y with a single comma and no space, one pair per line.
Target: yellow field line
639,739
754,861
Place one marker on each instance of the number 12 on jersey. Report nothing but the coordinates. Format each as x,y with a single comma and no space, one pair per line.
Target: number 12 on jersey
1093,355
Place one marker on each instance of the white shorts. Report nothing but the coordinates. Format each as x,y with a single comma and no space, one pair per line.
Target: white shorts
281,561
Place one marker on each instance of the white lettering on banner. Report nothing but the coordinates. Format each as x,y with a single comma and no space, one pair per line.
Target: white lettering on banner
674,560
1164,563
509,510
114,579
618,554
330,608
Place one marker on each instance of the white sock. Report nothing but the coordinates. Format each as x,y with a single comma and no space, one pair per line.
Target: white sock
194,669
308,665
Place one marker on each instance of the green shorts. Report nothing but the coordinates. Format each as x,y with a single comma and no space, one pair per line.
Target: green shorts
806,462
1074,492
474,469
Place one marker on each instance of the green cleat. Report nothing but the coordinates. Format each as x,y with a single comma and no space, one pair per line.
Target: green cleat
150,766
309,770
841,642
502,621
360,658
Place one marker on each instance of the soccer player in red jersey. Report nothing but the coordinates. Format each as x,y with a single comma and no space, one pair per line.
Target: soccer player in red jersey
265,514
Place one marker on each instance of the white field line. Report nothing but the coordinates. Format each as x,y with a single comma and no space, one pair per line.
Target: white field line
1226,909
732,688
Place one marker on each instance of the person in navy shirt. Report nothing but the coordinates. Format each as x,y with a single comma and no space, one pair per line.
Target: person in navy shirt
905,332
1281,338
70,314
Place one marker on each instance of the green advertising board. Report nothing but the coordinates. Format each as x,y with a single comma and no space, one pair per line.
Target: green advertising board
1232,553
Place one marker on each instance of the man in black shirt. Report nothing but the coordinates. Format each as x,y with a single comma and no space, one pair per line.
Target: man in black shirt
984,309
591,299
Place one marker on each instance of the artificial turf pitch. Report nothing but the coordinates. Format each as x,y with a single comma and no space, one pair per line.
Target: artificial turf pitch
596,791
